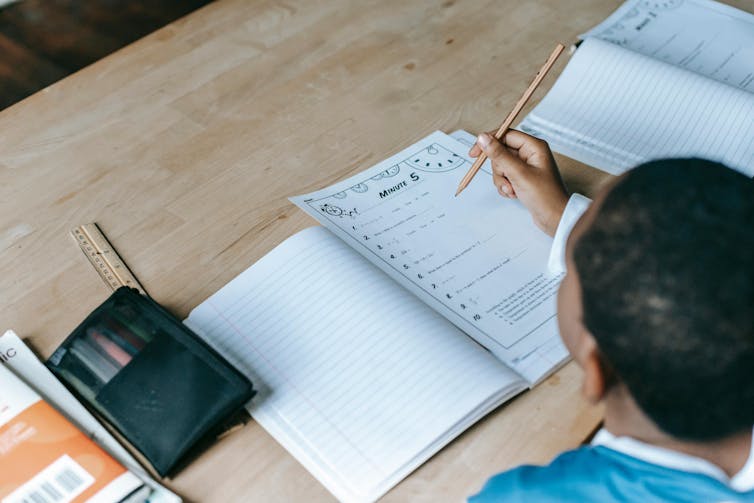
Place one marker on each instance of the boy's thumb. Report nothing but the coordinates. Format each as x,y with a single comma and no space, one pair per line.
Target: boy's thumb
497,153
492,147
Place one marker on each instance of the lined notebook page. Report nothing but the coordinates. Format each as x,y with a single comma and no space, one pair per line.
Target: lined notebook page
359,380
613,109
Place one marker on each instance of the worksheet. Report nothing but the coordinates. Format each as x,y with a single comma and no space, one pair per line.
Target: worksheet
706,37
477,259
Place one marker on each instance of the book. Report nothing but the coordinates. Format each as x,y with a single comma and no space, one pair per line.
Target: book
45,459
22,361
656,80
407,316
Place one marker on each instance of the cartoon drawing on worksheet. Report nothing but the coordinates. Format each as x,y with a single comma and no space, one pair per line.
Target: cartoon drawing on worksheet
337,211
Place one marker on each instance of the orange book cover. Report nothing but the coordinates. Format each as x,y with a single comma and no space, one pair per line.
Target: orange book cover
44,458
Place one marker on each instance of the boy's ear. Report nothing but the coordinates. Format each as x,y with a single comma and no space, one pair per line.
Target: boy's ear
595,379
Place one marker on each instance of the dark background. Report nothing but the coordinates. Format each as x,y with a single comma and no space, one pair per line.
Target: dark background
42,41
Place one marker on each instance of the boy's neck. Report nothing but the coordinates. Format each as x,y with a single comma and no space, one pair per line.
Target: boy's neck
624,418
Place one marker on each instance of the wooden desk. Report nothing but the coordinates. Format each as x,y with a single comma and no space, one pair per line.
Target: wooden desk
185,146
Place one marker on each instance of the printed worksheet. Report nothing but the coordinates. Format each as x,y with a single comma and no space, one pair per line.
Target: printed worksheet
706,37
476,259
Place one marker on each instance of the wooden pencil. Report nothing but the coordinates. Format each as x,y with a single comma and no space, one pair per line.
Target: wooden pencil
512,115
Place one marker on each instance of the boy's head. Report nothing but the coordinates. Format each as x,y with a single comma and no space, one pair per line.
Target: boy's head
659,295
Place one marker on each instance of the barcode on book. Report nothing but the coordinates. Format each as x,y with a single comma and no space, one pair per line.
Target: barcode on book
60,482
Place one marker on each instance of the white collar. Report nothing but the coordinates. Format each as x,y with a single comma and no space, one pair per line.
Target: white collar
741,481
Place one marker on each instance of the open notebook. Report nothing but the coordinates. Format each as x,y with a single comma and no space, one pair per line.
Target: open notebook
367,336
656,79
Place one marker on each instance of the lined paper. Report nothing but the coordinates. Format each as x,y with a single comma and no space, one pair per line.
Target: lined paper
613,109
359,380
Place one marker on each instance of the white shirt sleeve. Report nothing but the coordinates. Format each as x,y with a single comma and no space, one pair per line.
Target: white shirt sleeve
576,207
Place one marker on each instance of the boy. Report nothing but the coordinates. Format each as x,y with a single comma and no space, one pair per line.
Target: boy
657,307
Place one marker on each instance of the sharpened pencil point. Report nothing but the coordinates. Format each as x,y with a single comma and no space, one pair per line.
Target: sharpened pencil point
512,115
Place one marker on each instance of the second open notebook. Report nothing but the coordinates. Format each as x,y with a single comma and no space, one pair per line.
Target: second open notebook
366,337
656,80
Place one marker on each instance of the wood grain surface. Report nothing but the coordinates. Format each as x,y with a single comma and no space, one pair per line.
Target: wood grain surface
185,146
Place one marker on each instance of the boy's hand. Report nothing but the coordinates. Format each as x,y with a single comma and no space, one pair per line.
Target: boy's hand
523,168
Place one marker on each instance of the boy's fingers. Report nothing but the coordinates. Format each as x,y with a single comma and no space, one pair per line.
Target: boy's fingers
503,185
506,190
516,139
504,162
475,151
493,148
497,180
531,150
503,190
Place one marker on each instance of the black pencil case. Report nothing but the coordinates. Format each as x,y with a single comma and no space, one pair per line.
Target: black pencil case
163,390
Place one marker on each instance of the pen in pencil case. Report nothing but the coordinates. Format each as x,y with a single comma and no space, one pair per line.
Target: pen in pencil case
122,336
93,361
110,348
124,325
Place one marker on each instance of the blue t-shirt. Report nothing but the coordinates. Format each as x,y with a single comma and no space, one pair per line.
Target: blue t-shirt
598,473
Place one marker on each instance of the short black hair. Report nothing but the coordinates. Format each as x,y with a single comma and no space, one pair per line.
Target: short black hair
667,281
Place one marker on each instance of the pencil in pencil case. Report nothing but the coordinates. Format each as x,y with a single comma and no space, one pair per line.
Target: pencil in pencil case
160,387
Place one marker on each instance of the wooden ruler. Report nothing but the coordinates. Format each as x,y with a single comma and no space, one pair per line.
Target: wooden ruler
104,258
